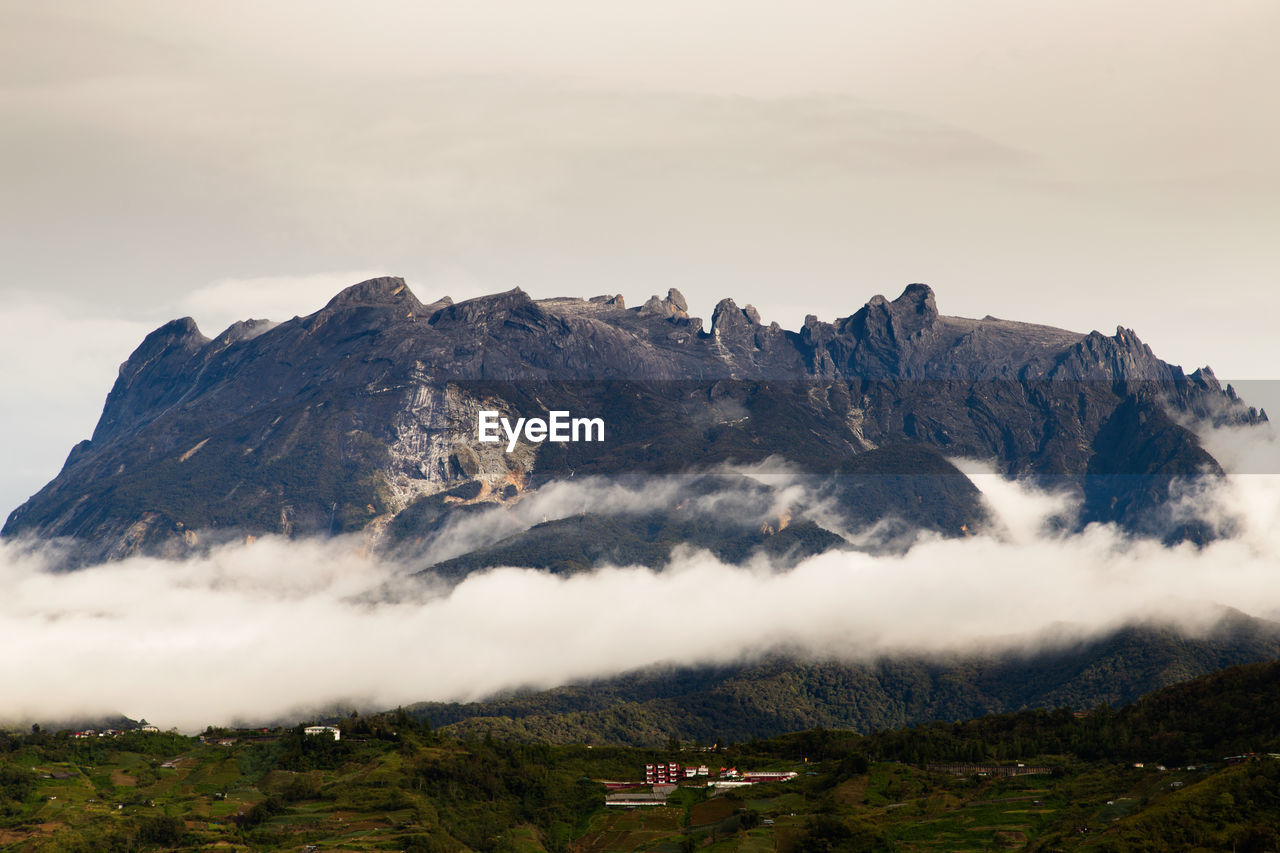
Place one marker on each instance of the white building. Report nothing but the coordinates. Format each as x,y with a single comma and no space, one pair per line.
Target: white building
323,730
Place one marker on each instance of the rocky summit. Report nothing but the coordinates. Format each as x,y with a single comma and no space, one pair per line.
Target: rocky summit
365,416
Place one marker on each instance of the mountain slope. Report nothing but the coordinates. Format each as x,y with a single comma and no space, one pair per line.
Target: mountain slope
782,694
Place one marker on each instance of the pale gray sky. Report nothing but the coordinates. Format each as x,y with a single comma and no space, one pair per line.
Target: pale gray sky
1083,164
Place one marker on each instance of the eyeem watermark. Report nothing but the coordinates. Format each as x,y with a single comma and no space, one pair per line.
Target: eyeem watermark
558,426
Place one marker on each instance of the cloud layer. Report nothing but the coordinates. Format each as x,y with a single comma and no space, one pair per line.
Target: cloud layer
252,632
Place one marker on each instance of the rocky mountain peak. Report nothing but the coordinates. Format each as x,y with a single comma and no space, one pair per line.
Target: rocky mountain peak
674,305
179,332
166,351
386,290
883,335
912,312
728,320
244,330
482,308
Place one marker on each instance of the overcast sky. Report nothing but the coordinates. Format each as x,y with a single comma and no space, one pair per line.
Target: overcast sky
1085,164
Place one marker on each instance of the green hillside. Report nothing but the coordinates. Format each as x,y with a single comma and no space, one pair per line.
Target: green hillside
1165,773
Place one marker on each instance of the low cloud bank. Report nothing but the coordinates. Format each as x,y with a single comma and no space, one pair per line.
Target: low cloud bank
713,495
256,632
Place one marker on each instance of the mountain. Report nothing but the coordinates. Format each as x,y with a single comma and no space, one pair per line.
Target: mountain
366,416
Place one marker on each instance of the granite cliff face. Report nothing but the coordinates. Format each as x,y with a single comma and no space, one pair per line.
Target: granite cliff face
363,416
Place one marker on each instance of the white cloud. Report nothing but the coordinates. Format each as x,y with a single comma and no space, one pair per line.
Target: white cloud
1246,449
256,631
